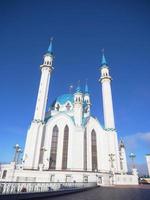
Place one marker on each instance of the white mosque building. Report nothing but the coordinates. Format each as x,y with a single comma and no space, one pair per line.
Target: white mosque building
67,143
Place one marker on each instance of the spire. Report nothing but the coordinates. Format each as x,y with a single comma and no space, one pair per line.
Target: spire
70,88
78,89
50,50
103,62
86,87
122,143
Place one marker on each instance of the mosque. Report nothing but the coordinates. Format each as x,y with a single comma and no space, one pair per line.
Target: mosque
67,143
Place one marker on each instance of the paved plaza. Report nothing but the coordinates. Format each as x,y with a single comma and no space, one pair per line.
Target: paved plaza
110,193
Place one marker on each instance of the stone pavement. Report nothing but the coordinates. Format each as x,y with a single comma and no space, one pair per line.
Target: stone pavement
141,192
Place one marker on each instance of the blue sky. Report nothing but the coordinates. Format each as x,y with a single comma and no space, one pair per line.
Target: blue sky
80,30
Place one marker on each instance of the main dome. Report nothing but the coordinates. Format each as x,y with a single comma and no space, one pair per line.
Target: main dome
65,98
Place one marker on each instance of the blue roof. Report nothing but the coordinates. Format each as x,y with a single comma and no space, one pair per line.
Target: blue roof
86,88
64,98
103,60
78,89
50,48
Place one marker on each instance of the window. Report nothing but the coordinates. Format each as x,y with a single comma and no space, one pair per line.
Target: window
57,107
65,148
85,150
54,142
85,178
4,174
68,178
68,106
94,150
52,178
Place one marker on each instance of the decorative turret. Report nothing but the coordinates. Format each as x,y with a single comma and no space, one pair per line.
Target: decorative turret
48,57
123,160
46,69
105,80
87,103
78,106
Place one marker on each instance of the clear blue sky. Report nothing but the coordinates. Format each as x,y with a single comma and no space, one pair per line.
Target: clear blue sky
80,30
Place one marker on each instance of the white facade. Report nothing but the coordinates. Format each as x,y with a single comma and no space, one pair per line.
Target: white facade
148,163
67,143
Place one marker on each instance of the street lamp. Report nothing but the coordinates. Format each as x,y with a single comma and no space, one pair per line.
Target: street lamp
16,147
18,154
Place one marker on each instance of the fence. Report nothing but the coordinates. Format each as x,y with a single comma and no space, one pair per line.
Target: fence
22,187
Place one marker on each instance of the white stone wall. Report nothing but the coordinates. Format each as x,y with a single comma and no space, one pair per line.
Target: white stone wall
125,180
102,179
102,145
33,146
61,120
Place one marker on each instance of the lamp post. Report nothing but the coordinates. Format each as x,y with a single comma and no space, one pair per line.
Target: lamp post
16,147
19,151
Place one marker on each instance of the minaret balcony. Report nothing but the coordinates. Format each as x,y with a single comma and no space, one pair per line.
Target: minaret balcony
105,78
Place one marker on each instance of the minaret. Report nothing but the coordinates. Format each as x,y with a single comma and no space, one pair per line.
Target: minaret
87,102
148,163
78,106
46,69
123,159
33,144
105,80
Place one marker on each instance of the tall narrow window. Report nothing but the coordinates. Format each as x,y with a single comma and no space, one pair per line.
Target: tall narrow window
65,148
94,150
54,142
68,106
85,150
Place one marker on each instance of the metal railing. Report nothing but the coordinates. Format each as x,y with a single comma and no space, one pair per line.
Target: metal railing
22,187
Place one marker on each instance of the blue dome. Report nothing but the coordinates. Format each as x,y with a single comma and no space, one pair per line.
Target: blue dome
64,98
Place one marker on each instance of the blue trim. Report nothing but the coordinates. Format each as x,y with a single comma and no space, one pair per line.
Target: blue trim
103,62
50,49
78,89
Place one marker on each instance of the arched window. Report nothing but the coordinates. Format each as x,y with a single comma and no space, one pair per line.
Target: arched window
68,106
85,150
65,148
57,107
54,142
94,150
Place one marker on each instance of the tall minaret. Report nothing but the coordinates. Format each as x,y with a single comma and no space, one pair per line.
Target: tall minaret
33,144
109,123
46,69
105,80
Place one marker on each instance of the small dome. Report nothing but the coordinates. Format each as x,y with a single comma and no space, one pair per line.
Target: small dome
64,98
